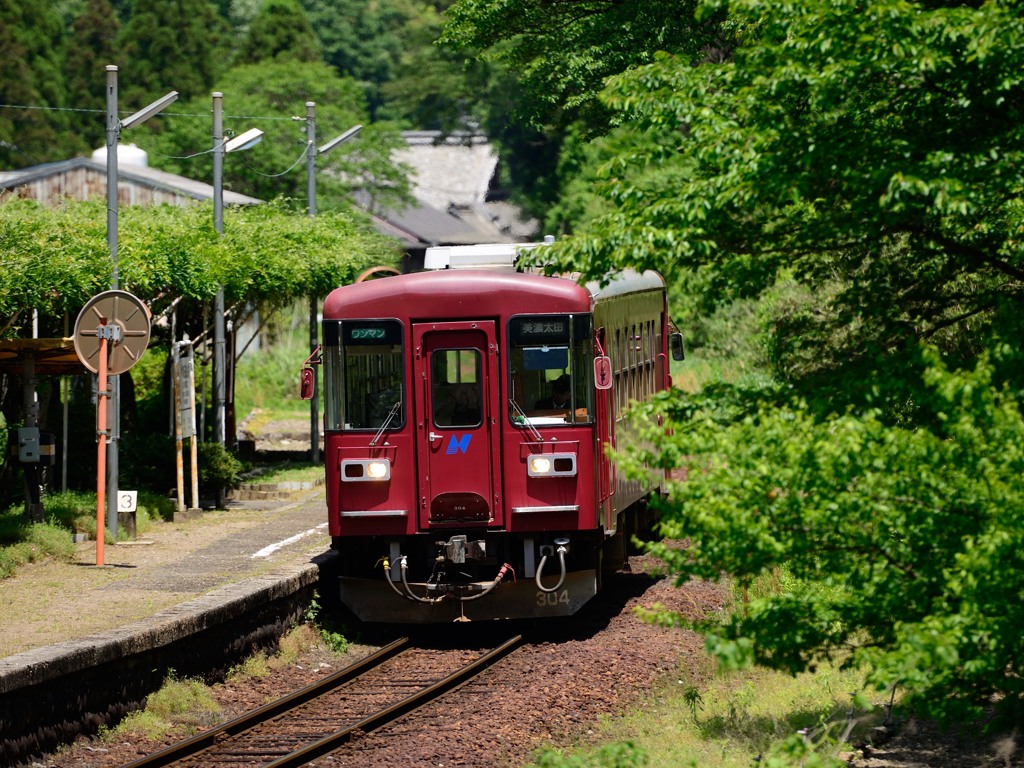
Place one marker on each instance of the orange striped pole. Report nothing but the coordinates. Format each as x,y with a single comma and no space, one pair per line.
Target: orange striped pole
101,451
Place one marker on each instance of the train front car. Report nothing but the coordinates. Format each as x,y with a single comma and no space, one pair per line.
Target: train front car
465,433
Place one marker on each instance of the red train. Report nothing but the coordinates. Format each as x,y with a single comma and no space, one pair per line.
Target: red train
467,409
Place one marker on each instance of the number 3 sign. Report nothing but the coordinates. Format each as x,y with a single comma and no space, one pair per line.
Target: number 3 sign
127,501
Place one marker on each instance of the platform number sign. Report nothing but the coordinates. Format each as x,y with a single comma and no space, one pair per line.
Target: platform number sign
127,501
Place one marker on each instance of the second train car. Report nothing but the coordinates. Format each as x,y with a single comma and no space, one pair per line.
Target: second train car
468,409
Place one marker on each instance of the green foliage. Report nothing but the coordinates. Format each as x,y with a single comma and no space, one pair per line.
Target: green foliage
852,169
91,46
268,95
563,51
169,45
266,255
179,705
254,667
740,719
32,49
280,31
907,541
546,62
330,635
218,468
290,472
618,755
267,378
146,460
22,542
431,86
865,153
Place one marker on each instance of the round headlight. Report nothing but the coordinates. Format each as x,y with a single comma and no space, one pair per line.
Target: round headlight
377,470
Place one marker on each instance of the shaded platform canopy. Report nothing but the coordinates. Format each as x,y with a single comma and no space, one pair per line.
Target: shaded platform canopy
52,357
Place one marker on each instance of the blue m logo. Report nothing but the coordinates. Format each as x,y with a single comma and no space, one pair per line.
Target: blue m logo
458,445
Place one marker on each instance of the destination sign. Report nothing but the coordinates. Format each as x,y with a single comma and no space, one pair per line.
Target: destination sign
368,333
365,333
540,329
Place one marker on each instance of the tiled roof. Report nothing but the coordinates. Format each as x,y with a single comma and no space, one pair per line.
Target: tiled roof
82,177
452,178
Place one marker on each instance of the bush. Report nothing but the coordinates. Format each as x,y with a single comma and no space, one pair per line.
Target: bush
218,468
909,543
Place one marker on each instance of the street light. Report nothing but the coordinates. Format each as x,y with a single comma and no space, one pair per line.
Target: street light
147,112
311,155
244,141
247,140
114,128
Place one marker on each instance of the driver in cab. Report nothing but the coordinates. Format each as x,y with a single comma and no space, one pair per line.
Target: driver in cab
559,400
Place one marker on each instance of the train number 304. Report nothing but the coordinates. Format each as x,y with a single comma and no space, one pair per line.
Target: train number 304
553,598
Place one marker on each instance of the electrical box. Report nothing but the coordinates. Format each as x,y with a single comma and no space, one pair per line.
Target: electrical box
28,444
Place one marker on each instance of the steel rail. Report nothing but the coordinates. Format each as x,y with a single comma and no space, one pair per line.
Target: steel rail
389,714
200,742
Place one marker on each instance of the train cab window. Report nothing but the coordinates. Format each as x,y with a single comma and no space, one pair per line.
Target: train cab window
455,387
551,366
363,374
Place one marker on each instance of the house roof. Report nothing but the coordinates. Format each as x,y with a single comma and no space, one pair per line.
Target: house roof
81,178
452,177
455,168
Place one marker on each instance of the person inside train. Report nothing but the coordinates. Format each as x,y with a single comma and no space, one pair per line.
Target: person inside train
559,399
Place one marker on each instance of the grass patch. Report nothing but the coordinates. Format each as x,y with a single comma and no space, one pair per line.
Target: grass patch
700,368
22,542
295,643
291,647
255,667
294,472
758,714
180,706
268,378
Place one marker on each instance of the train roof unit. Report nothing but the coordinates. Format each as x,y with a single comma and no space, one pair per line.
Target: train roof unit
483,256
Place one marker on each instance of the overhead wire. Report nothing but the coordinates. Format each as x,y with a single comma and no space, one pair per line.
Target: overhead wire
289,169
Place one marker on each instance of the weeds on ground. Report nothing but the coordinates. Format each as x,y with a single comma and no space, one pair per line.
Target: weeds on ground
736,719
180,706
290,648
758,715
255,667
624,754
294,471
329,634
269,379
183,707
23,542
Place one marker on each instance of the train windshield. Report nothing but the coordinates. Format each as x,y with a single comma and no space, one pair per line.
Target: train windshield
363,374
551,364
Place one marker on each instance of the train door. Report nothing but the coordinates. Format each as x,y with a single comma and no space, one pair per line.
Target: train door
605,420
457,372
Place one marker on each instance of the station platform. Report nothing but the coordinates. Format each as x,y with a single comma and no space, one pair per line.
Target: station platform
159,588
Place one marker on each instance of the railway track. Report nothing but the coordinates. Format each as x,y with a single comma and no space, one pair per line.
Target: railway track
321,717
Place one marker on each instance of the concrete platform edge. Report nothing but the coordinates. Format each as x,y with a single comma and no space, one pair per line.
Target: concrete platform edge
223,604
